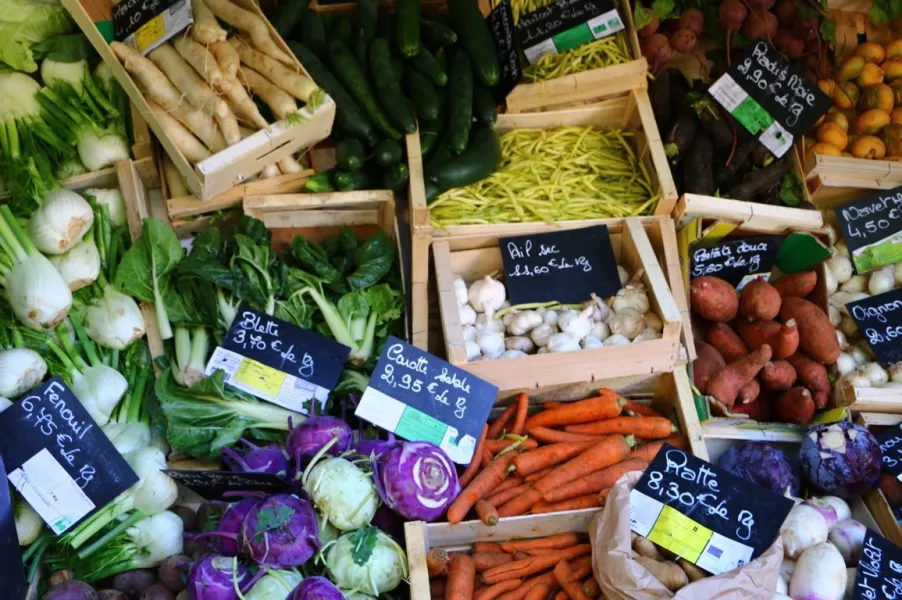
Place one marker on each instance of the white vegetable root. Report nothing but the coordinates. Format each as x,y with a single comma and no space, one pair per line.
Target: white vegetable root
803,528
174,182
155,83
189,145
299,86
281,104
820,573
205,29
270,171
247,21
228,124
289,165
202,60
226,58
187,81
244,107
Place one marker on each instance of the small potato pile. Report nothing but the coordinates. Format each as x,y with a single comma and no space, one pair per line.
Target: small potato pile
765,349
672,571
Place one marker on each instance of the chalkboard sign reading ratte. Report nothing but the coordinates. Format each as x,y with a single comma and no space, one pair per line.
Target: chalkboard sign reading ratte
734,260
567,266
879,318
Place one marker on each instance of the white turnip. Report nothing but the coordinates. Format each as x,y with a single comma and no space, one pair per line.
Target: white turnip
820,573
802,529
848,536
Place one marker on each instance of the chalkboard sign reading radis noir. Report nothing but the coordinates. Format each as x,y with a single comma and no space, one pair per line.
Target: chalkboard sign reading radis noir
567,266
704,514
277,361
148,24
879,318
737,261
872,229
422,398
879,573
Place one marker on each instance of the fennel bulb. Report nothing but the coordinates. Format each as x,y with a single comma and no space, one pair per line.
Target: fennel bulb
99,149
28,523
61,222
127,437
156,538
381,572
99,388
114,320
20,370
70,168
80,266
18,96
275,584
113,200
53,73
38,294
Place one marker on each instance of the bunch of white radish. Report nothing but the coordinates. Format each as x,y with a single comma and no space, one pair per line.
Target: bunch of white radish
493,329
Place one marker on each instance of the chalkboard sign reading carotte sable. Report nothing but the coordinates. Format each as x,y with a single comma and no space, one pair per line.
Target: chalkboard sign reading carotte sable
872,229
501,24
736,260
566,266
710,517
213,485
420,397
58,458
879,318
891,448
879,574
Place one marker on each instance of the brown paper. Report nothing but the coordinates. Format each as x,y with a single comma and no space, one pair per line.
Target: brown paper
622,578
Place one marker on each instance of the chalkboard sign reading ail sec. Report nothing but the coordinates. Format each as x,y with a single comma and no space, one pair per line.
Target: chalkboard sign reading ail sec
736,260
879,574
567,266
879,318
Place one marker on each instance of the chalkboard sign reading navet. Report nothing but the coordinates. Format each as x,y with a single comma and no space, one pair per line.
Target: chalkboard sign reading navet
872,229
891,448
879,573
501,24
420,397
879,319
568,266
737,261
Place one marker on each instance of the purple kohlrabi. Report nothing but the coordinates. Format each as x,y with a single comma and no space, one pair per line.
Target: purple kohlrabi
281,532
418,479
308,438
257,459
375,448
841,459
226,538
316,588
216,577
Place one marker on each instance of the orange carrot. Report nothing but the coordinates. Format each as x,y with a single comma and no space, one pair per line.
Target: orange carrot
532,565
496,446
498,425
487,560
461,578
578,503
554,436
547,456
591,588
538,551
499,499
581,568
561,540
603,496
482,484
647,452
492,592
520,419
538,475
487,547
486,457
639,409
520,555
487,513
607,405
551,404
539,592
594,482
646,427
473,467
437,562
563,574
510,482
521,504
437,587
561,595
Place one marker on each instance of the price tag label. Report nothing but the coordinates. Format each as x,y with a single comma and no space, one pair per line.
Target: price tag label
711,518
567,266
770,98
879,573
879,318
147,24
872,229
213,485
737,261
14,584
891,448
420,397
278,362
501,24
58,458
565,25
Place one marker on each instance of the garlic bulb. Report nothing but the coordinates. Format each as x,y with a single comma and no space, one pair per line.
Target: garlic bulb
830,282
647,334
525,322
590,341
466,314
469,333
486,295
881,281
600,330
627,322
563,342
617,340
473,351
600,310
653,321
540,334
460,290
845,363
623,274
508,318
486,323
521,343
551,317
490,343
631,297
577,325
512,354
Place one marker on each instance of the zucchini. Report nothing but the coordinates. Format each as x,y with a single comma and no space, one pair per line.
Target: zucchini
397,67
407,27
484,108
349,154
313,35
437,34
422,94
367,18
396,176
344,29
441,154
388,153
347,181
328,24
388,90
433,129
320,183
476,39
289,16
349,73
441,57
478,162
350,117
460,101
426,64
386,26
432,192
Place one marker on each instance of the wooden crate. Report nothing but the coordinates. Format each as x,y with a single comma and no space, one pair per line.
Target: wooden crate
858,399
238,162
476,256
875,499
832,181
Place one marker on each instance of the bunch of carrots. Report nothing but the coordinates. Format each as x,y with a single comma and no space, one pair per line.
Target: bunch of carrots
515,570
565,457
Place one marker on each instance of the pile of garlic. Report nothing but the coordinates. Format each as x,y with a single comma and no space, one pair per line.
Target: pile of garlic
493,329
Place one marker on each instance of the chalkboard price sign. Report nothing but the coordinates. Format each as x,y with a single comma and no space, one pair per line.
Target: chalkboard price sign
891,447
567,266
501,24
148,24
566,24
736,260
872,229
879,318
420,397
770,98
710,517
10,554
212,485
277,361
58,458
879,573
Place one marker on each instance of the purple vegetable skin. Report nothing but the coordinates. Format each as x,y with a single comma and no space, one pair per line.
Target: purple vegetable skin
316,588
281,532
71,590
257,459
419,481
763,465
308,438
375,448
211,578
226,539
841,459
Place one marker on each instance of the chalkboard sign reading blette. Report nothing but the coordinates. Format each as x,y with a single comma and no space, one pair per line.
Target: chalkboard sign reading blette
277,361
770,98
213,485
147,24
566,24
879,573
567,266
879,319
58,458
736,260
501,24
872,229
420,397
710,517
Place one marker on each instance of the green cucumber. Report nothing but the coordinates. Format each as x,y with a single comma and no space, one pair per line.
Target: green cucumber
460,101
433,129
478,162
367,17
289,16
396,176
320,183
388,90
476,39
407,27
397,67
386,26
484,108
426,64
388,153
441,154
350,155
347,181
422,94
345,30
441,57
432,192
313,35
349,73
436,33
328,23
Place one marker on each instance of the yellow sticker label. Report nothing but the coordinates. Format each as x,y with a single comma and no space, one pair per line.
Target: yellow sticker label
150,32
680,534
258,376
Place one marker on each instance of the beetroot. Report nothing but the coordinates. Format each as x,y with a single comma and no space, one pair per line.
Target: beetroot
683,40
789,44
759,5
807,30
732,14
657,51
760,25
693,20
652,28
786,12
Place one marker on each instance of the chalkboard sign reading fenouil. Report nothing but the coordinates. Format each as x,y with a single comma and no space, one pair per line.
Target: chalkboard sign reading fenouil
422,398
879,572
58,458
872,229
501,24
566,266
737,261
770,98
277,361
710,517
879,318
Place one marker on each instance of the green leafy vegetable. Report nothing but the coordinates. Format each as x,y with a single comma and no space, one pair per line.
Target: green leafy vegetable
364,542
791,192
884,11
24,23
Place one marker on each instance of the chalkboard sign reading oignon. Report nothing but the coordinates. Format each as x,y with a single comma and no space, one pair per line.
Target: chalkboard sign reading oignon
872,229
879,319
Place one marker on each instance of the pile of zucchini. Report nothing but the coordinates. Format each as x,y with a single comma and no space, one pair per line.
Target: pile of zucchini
389,73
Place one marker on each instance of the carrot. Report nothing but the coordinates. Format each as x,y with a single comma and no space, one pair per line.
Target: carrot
437,562
473,467
591,588
532,565
547,456
486,458
492,592
520,419
461,577
520,555
538,551
538,475
553,436
581,568
496,446
551,404
603,496
501,422
491,547
606,405
539,592
578,503
487,513
481,485
561,595
647,452
646,427
437,587
510,482
559,541
499,499
594,482
639,409
562,574
487,560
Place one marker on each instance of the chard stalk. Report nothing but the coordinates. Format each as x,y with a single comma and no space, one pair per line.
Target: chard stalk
336,323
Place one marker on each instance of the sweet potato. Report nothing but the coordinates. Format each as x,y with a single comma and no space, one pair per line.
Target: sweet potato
726,342
812,375
891,488
797,285
787,342
782,338
726,385
708,364
749,392
713,298
795,406
758,409
817,338
759,301
777,376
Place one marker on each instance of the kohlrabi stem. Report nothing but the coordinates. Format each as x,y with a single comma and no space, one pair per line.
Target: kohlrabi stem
111,535
86,342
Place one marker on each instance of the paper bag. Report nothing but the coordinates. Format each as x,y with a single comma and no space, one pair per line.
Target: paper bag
622,578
